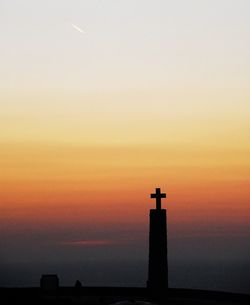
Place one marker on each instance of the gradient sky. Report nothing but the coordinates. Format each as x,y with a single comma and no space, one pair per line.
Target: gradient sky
148,93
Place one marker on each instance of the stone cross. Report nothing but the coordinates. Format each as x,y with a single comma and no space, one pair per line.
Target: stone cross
158,196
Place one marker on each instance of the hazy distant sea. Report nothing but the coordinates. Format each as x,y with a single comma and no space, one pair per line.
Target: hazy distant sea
224,276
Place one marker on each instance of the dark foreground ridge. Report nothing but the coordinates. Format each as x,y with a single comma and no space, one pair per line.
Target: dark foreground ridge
110,295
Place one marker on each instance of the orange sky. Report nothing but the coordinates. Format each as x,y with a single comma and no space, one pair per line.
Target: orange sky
69,182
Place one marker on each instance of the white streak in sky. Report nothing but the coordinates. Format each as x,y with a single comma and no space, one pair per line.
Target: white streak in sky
77,28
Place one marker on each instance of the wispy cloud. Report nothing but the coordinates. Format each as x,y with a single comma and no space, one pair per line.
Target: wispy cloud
88,243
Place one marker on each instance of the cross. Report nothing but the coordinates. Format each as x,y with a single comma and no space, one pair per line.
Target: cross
158,195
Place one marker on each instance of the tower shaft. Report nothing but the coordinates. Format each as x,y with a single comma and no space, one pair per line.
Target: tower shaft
158,262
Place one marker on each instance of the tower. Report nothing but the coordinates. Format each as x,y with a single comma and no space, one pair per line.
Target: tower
158,261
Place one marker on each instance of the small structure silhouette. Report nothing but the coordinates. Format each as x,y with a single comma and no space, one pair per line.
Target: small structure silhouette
49,282
158,261
78,287
78,284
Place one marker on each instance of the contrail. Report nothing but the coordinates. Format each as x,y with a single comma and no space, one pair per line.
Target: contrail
77,28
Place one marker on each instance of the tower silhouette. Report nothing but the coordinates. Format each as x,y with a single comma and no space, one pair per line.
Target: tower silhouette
158,261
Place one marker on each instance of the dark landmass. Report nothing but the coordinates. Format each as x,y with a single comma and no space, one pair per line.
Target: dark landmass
109,295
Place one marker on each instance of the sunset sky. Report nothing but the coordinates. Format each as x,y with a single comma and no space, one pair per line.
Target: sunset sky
101,101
